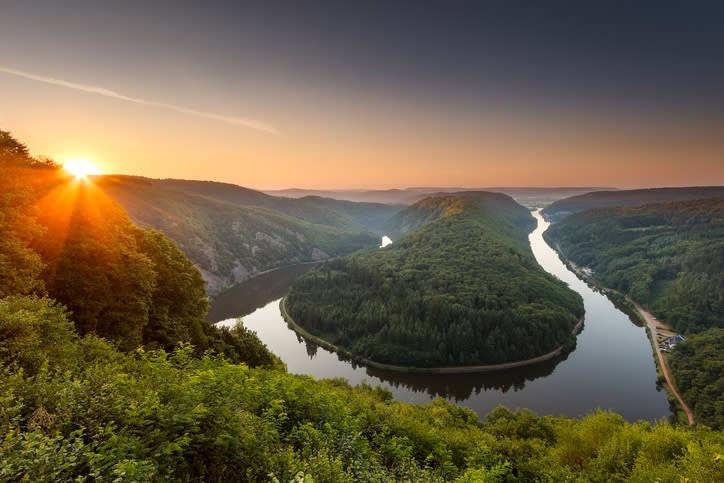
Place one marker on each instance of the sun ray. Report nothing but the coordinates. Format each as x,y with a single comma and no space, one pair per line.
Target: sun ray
63,206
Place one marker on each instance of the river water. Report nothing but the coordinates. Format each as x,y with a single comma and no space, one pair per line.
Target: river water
612,366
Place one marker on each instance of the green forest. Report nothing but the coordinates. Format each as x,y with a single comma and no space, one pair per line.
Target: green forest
667,256
464,289
66,240
698,368
77,409
100,381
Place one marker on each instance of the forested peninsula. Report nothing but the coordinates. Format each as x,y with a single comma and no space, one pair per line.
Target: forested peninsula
462,289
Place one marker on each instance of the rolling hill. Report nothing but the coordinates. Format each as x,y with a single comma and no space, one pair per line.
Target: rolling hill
558,210
345,215
429,209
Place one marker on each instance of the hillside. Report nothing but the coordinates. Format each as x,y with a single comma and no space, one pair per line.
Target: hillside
345,215
697,366
463,289
558,210
225,240
667,256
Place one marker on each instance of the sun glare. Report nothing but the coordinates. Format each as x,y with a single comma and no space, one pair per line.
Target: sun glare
80,168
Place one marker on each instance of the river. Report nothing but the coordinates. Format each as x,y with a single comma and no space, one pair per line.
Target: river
612,366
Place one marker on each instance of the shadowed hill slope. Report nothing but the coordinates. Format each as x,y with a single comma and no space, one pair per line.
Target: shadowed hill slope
345,215
228,241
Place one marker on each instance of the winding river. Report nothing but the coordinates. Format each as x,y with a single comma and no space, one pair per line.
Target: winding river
612,366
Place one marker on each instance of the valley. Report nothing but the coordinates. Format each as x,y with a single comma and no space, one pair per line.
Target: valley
374,242
573,385
136,381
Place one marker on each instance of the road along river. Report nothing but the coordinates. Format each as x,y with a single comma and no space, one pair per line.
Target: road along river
612,366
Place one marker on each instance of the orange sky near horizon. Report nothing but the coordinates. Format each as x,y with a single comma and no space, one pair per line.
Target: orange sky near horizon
360,145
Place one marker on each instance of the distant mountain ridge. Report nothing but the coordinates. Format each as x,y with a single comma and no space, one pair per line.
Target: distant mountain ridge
527,196
342,214
560,209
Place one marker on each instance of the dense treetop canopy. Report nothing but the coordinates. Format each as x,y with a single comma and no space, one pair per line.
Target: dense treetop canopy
667,256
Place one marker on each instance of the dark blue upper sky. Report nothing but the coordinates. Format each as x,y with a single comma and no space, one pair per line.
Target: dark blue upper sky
644,60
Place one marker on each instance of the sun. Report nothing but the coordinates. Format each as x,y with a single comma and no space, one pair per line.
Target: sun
80,168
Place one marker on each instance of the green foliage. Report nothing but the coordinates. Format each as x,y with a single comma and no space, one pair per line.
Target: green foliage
178,304
34,332
122,282
129,284
698,369
238,344
669,256
20,266
95,414
464,289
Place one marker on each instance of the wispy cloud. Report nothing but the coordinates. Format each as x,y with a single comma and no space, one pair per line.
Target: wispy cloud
250,123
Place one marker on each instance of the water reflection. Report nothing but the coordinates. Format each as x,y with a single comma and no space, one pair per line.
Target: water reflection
254,293
460,387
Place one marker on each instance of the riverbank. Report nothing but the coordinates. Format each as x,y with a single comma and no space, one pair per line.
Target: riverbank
422,370
637,314
652,326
